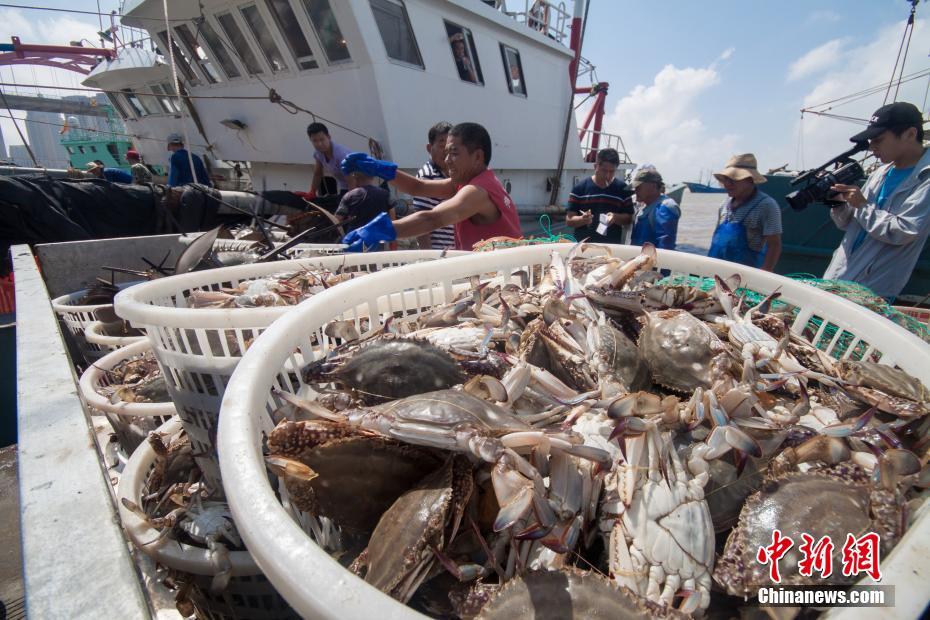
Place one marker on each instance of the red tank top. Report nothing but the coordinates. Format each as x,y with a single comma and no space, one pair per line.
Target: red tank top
468,234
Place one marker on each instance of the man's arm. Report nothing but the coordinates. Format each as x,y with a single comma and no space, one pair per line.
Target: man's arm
428,188
576,219
841,216
892,228
772,252
317,178
666,229
468,202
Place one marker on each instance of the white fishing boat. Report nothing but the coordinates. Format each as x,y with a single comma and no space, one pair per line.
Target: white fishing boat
378,73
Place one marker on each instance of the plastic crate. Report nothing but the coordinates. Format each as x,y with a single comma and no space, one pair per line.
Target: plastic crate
131,421
95,334
249,593
918,314
77,318
198,349
318,586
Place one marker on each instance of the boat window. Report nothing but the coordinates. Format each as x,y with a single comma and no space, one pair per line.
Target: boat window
168,89
399,42
81,150
197,53
180,58
293,35
118,105
513,70
70,150
463,53
149,102
239,44
134,102
219,49
93,149
113,151
162,100
327,30
263,35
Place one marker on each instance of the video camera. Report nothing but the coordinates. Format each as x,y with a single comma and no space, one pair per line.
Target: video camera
819,181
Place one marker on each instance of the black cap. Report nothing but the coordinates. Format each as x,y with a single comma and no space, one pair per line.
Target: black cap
899,114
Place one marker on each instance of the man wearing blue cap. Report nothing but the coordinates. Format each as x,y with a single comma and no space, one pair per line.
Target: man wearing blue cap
888,220
180,171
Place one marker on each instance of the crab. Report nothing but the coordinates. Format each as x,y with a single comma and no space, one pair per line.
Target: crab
890,389
682,353
419,523
208,524
846,502
614,358
569,594
663,538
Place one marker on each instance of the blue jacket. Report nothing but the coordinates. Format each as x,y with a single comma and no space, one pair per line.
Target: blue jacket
657,223
179,172
115,175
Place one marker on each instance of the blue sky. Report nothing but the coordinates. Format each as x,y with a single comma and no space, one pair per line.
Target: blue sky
691,82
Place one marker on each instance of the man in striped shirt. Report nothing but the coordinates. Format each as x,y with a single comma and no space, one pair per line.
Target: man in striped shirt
441,238
600,207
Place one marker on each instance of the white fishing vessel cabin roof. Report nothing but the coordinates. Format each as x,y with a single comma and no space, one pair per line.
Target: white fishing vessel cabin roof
381,69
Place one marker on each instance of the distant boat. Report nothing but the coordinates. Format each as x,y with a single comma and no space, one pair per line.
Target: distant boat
702,188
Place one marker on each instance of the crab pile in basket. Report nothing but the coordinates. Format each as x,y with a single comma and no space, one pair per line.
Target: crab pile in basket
598,440
284,289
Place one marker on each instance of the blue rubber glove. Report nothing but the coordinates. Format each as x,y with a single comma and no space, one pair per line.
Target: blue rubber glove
368,237
366,164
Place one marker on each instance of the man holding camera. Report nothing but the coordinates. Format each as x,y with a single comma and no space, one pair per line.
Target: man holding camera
888,220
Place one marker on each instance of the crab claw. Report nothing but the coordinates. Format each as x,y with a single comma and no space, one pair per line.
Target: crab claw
628,426
849,428
896,463
289,468
514,493
563,537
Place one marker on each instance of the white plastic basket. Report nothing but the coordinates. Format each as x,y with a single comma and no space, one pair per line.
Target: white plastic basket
302,250
77,318
198,349
96,334
248,595
313,582
131,421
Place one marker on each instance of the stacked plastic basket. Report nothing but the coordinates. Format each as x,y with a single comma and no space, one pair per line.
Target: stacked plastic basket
198,349
314,583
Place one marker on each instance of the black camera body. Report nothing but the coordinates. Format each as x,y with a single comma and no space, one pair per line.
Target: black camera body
819,181
818,190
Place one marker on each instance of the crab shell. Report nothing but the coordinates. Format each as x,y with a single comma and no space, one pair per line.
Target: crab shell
679,350
844,502
569,594
358,479
887,379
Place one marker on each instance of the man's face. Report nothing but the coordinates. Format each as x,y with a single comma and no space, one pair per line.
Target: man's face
463,166
604,172
437,150
173,147
320,141
458,48
887,147
647,192
738,189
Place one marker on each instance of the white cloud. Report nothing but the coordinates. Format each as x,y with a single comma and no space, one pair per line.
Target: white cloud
659,123
725,55
859,68
817,60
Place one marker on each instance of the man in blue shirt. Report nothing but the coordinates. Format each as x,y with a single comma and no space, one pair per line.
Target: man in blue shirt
600,206
113,175
179,171
887,222
656,214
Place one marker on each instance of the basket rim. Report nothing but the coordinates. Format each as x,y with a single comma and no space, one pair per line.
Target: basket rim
176,555
132,304
90,379
92,334
61,304
280,545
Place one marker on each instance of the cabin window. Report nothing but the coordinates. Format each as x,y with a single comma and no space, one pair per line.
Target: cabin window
173,101
296,41
149,102
70,150
464,55
118,105
197,53
513,70
111,148
134,102
218,46
93,149
263,35
81,150
163,101
327,30
181,61
396,33
237,39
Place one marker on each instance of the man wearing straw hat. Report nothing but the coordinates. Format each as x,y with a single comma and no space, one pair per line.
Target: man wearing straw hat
749,224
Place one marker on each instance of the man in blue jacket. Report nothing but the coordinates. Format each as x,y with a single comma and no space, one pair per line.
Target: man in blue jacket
656,219
179,171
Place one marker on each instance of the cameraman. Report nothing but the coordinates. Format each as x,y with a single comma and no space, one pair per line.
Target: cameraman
886,222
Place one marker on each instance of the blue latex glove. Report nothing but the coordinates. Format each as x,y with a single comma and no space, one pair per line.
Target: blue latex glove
366,164
368,237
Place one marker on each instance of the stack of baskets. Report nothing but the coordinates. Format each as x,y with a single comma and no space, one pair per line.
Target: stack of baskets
316,584
77,318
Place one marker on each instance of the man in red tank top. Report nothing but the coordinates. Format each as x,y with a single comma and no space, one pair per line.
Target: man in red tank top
473,198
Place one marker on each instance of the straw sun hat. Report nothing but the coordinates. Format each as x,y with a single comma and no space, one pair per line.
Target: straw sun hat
741,167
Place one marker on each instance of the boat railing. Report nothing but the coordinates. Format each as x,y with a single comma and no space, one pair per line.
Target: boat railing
593,141
549,18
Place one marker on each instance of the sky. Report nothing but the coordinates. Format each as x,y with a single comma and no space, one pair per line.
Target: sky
691,83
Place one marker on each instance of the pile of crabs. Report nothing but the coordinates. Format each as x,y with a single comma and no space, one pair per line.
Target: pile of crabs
596,442
284,289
